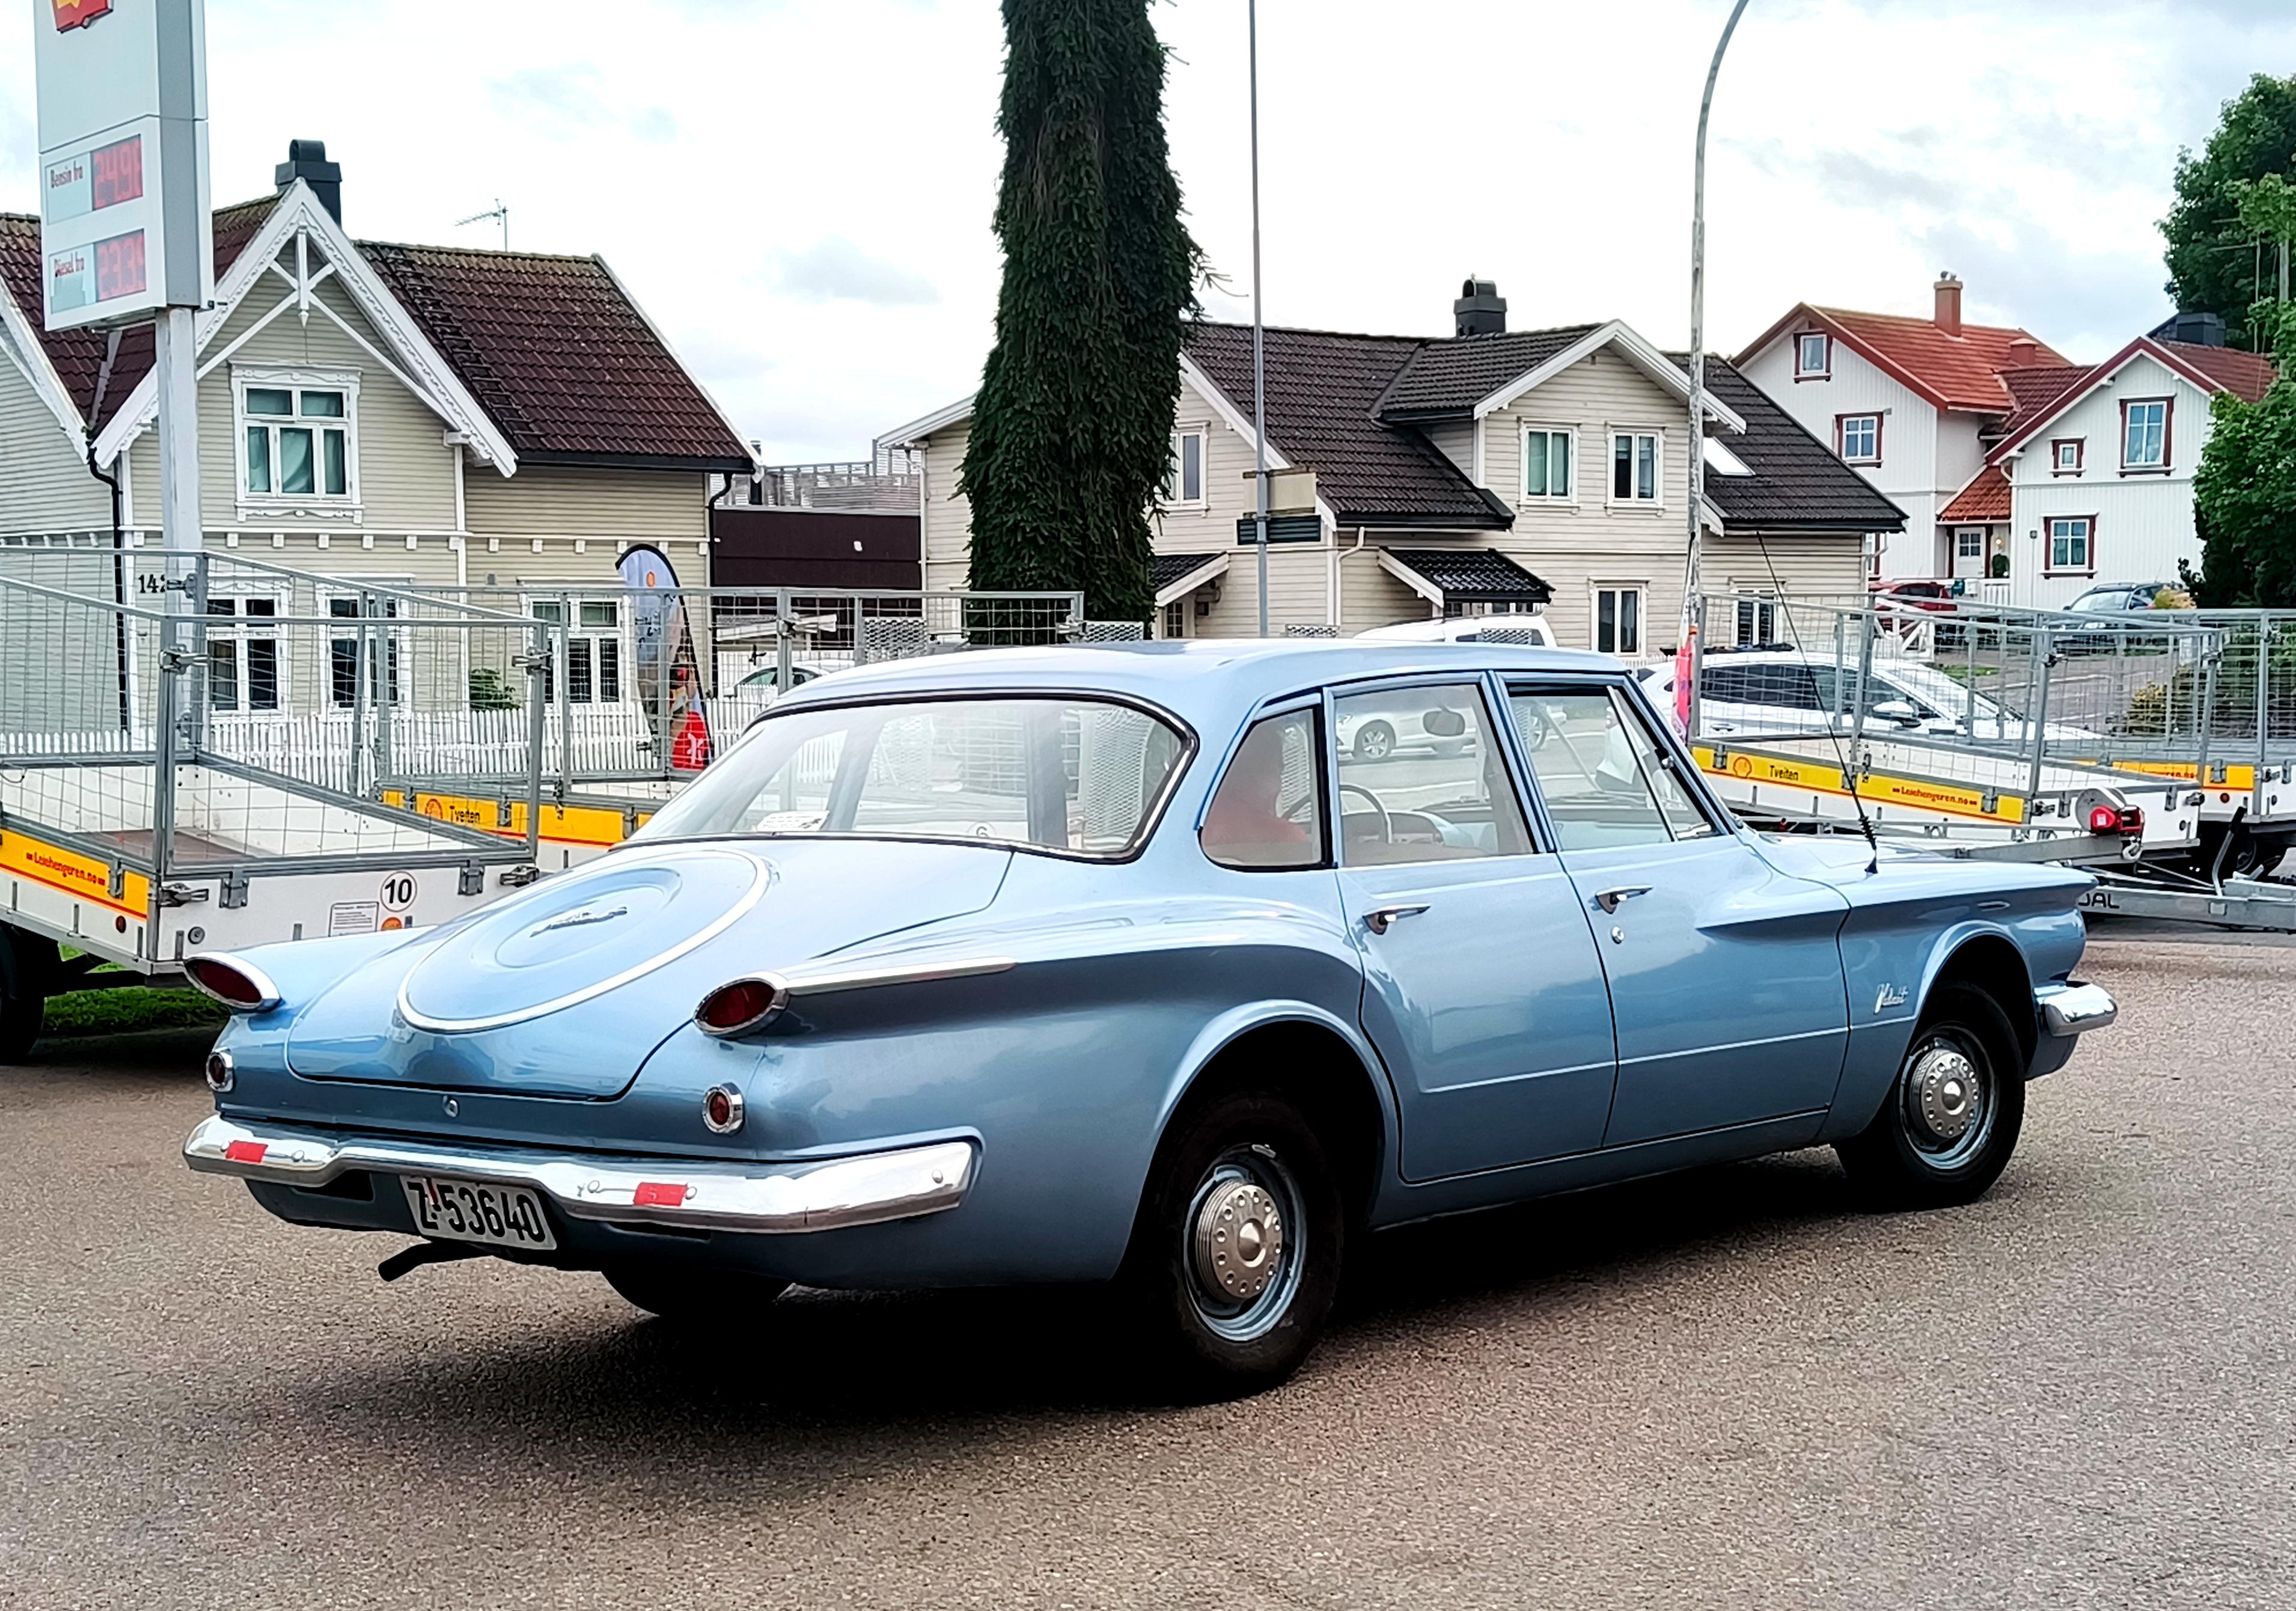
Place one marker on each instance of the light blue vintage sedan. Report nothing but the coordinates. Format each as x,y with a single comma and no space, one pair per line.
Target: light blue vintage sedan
1109,963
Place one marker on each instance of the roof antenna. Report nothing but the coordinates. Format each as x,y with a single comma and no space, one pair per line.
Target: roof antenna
498,212
1784,606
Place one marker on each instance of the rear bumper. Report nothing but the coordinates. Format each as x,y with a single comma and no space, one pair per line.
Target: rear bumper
867,1188
2074,1008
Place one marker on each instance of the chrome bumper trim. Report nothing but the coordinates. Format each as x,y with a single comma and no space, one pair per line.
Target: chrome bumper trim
2075,1008
769,1199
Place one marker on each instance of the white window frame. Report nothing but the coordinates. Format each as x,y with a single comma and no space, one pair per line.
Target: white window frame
2127,424
272,377
2057,465
1847,458
237,628
397,657
1594,616
1578,468
1802,372
2086,566
1174,482
619,633
1762,604
1636,434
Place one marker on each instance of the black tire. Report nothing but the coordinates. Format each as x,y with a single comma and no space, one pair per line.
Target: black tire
1373,741
1912,1156
27,965
685,1297
1246,1327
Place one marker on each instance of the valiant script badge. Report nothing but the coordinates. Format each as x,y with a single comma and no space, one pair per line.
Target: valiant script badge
1891,995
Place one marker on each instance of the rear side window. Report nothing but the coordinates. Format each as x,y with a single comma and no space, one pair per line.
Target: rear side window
1267,813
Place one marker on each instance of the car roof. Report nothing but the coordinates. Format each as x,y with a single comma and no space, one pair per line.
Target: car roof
1205,681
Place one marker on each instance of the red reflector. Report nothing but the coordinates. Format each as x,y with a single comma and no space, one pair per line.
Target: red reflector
659,1194
247,1152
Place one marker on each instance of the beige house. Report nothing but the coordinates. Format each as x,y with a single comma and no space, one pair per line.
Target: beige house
431,416
1491,470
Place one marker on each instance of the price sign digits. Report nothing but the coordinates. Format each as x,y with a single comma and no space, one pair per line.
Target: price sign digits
119,266
116,172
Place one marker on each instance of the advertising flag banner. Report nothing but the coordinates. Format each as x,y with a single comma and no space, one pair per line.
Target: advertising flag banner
669,672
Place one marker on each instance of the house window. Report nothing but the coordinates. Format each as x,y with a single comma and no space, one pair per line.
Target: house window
1757,619
1634,468
1546,463
1969,545
385,654
1813,356
1183,482
1619,619
297,435
1176,618
2072,545
2065,456
2144,434
243,659
594,649
1859,436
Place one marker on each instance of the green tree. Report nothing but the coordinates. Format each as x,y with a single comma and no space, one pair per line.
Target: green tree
2212,262
2244,494
1072,431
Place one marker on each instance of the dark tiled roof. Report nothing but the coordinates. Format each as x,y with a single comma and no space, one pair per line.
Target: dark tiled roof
561,359
558,355
1798,482
1165,569
1322,387
1473,575
1448,378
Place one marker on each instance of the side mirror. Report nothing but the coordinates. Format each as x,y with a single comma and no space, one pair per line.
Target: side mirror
1899,711
1444,723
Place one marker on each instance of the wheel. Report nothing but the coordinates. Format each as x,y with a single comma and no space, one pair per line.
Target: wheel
1451,749
1375,741
28,962
1235,1257
685,1297
1945,1131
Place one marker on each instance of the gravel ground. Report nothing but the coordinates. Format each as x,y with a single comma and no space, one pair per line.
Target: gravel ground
1724,1389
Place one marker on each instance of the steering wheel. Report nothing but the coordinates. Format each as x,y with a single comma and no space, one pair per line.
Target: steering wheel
1386,822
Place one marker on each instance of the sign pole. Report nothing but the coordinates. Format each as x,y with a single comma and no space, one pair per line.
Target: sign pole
176,339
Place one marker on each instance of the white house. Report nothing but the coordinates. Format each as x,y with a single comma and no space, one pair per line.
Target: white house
1488,471
2091,478
1911,403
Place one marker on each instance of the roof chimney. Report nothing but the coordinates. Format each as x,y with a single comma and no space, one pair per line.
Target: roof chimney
1480,309
307,159
2024,353
1948,303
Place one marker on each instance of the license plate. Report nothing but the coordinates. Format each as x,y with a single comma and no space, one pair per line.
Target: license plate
467,1211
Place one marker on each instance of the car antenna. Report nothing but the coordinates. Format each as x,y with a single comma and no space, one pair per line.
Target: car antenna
1848,774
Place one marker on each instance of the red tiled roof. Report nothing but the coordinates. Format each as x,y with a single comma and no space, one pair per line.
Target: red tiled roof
553,349
1984,499
1964,370
2044,393
2247,375
2034,392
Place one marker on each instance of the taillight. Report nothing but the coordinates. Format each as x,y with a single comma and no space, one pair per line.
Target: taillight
721,1110
739,1008
2116,819
238,985
220,1072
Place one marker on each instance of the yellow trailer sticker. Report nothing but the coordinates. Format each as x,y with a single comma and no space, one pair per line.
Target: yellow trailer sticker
561,825
1818,777
82,877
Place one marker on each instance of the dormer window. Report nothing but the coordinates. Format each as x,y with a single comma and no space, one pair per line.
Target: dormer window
1813,356
2065,454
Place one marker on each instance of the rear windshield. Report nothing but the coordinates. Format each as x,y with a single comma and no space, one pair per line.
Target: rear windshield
1075,776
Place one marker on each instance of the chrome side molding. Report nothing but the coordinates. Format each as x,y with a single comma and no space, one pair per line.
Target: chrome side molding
2074,1008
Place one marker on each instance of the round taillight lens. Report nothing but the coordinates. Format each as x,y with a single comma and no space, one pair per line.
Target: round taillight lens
219,1072
721,1110
733,1008
238,987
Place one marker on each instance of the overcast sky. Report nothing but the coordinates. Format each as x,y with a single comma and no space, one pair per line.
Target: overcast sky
799,191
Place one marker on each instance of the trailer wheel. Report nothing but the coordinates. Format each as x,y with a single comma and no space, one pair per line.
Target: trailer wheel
28,963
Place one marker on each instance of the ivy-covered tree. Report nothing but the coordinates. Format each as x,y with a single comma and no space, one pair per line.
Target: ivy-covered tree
2245,493
1071,430
2213,264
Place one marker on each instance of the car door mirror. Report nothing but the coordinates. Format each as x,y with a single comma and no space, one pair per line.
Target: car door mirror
1899,711
1444,723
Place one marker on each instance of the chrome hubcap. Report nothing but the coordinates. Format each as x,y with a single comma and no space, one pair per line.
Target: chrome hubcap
1242,1242
1948,1101
1239,1240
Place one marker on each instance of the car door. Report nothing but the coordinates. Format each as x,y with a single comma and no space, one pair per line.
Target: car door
1725,974
1482,989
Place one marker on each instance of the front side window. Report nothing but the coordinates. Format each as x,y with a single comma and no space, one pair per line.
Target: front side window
2071,542
242,650
1861,438
1633,467
1813,355
1421,779
1267,813
594,649
1619,620
1075,777
1184,482
1605,779
296,439
1546,463
2144,434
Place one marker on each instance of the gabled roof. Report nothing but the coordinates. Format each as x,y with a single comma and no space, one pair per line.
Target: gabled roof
2247,375
1172,576
1986,499
1469,576
1799,483
554,349
1961,372
1449,378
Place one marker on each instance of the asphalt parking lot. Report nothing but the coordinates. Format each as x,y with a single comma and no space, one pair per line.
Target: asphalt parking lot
1724,1389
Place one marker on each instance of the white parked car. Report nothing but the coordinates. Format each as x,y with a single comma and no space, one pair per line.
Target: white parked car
1530,629
1786,690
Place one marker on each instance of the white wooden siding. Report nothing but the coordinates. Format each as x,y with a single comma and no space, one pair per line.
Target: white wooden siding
44,486
948,535
564,500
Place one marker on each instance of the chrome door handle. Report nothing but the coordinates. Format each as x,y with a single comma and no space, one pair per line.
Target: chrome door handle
1609,901
1382,918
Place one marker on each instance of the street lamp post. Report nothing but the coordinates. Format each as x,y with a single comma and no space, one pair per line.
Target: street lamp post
1259,356
1694,448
